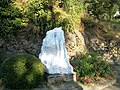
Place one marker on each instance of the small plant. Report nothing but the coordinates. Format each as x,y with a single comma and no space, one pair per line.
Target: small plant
21,71
91,67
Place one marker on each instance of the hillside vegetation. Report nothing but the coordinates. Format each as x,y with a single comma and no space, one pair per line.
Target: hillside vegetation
19,16
31,19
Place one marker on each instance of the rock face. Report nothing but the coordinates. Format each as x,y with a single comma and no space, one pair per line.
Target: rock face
75,44
31,43
21,44
109,49
53,53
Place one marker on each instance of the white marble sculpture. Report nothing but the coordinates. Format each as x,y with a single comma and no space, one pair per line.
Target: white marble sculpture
53,53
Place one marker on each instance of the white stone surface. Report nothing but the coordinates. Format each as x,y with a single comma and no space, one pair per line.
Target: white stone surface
116,14
53,52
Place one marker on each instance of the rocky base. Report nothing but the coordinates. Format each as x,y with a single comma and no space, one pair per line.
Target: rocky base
60,78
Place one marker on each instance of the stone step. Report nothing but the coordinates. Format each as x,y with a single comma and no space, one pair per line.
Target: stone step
59,78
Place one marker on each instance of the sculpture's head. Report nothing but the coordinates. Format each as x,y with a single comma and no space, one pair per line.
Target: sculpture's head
59,34
58,28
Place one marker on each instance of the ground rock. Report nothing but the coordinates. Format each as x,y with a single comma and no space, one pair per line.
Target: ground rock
75,44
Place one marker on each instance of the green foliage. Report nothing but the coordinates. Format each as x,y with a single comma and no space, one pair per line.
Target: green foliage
46,14
40,14
102,9
16,15
21,71
73,6
91,66
4,3
11,18
89,22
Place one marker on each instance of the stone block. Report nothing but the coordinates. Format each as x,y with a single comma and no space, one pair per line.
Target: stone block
57,78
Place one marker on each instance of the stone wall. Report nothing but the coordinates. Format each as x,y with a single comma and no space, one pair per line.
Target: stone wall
20,44
108,48
31,43
76,44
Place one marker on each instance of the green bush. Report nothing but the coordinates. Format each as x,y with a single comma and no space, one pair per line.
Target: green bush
11,18
16,15
4,3
102,9
48,14
22,71
90,66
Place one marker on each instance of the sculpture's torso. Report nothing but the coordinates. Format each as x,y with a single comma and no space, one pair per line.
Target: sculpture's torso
53,52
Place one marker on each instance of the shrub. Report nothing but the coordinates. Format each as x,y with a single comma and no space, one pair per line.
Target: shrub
48,14
21,71
102,9
11,18
5,3
90,66
16,15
